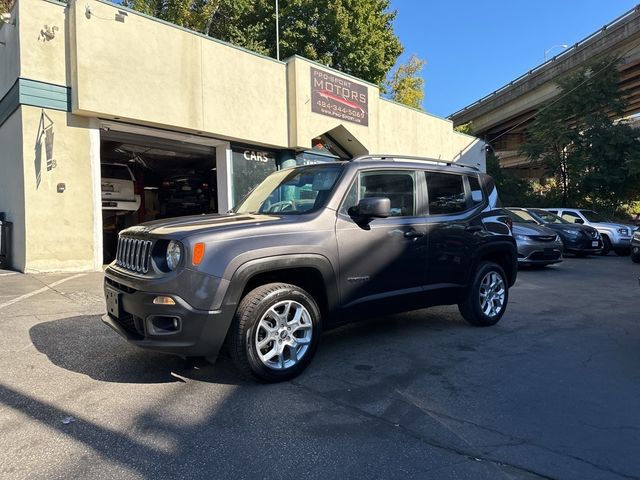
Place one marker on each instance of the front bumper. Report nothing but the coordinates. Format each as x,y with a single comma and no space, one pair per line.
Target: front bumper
178,329
539,253
582,244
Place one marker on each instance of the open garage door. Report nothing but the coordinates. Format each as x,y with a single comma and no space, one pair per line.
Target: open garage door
149,174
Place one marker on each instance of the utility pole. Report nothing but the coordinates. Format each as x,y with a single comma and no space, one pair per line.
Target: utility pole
277,33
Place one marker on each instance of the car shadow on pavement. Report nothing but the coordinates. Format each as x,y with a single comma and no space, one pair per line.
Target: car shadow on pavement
83,344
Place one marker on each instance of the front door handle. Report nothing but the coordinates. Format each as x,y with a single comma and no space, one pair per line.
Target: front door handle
413,234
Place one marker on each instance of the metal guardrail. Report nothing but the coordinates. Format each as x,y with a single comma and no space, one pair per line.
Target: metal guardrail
569,51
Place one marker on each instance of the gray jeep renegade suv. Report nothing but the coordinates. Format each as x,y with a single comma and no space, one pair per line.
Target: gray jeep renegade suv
310,248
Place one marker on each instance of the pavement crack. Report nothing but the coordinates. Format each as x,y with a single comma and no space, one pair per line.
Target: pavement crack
468,454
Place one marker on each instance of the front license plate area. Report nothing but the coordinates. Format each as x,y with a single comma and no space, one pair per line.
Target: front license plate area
595,243
114,305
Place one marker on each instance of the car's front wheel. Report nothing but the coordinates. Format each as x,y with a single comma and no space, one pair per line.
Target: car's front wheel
275,332
635,255
487,297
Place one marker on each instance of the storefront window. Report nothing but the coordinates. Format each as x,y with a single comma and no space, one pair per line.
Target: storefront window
249,167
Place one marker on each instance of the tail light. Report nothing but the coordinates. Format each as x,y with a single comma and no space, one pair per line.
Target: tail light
166,184
205,186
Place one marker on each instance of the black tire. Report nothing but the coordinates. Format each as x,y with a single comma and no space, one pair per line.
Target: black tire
242,333
622,252
470,307
635,257
606,245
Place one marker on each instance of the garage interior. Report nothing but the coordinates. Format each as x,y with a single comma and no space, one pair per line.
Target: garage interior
171,177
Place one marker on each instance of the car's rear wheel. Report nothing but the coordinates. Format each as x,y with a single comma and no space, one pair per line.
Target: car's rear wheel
275,332
487,298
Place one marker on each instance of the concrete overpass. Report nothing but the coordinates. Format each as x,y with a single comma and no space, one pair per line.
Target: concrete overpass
502,117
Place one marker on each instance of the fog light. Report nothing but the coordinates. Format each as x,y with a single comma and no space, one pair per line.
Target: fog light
164,301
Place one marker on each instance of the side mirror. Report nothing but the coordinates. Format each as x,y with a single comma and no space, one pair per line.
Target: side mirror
370,208
578,220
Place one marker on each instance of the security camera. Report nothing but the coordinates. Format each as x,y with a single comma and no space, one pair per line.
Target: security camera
5,17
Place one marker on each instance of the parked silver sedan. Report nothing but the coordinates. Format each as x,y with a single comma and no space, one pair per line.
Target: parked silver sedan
537,245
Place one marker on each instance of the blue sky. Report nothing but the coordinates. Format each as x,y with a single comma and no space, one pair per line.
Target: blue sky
474,47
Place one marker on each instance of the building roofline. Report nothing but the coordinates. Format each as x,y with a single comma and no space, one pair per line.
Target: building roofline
184,29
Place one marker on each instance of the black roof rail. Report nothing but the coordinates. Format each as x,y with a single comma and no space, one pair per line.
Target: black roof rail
409,158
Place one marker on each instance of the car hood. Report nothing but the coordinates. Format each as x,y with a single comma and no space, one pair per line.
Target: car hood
531,229
611,225
179,227
570,226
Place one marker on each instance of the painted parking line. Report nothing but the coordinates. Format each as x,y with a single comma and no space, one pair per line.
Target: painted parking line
40,290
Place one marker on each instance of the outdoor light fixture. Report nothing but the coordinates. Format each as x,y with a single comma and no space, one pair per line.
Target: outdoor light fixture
121,15
555,46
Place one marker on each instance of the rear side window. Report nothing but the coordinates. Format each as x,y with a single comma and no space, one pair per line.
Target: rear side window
446,193
119,172
476,191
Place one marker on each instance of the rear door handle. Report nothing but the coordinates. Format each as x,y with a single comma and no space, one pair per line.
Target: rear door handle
413,234
473,228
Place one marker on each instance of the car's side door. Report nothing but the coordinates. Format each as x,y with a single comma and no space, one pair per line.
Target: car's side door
454,226
385,259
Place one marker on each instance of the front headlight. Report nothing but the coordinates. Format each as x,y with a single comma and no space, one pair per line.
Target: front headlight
573,233
174,253
623,231
636,236
522,238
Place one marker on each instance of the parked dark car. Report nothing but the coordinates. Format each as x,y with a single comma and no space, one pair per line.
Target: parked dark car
184,194
635,247
310,248
580,240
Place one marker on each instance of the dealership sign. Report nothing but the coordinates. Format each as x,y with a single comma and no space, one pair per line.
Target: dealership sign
339,97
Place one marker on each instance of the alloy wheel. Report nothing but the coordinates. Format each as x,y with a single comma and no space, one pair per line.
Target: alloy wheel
283,335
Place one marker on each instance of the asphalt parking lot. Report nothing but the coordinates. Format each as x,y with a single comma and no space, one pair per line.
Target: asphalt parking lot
552,391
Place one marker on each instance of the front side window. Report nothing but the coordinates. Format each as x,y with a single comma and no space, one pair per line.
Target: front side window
398,187
293,191
593,216
446,193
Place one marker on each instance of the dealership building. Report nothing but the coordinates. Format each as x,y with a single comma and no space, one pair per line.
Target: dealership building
88,84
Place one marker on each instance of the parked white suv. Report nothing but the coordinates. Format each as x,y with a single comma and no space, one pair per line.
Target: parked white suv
616,236
118,188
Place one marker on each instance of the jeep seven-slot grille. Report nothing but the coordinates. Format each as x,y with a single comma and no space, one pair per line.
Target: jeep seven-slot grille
133,254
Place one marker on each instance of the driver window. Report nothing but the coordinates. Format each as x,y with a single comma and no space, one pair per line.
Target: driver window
570,216
398,187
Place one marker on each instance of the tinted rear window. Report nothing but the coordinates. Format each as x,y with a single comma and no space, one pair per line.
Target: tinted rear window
115,171
446,193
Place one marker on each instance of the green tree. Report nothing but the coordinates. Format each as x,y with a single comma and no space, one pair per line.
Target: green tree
594,158
5,5
466,128
514,192
405,85
354,36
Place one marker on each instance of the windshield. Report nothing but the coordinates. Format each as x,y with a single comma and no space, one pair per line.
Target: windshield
292,191
521,216
547,217
593,216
